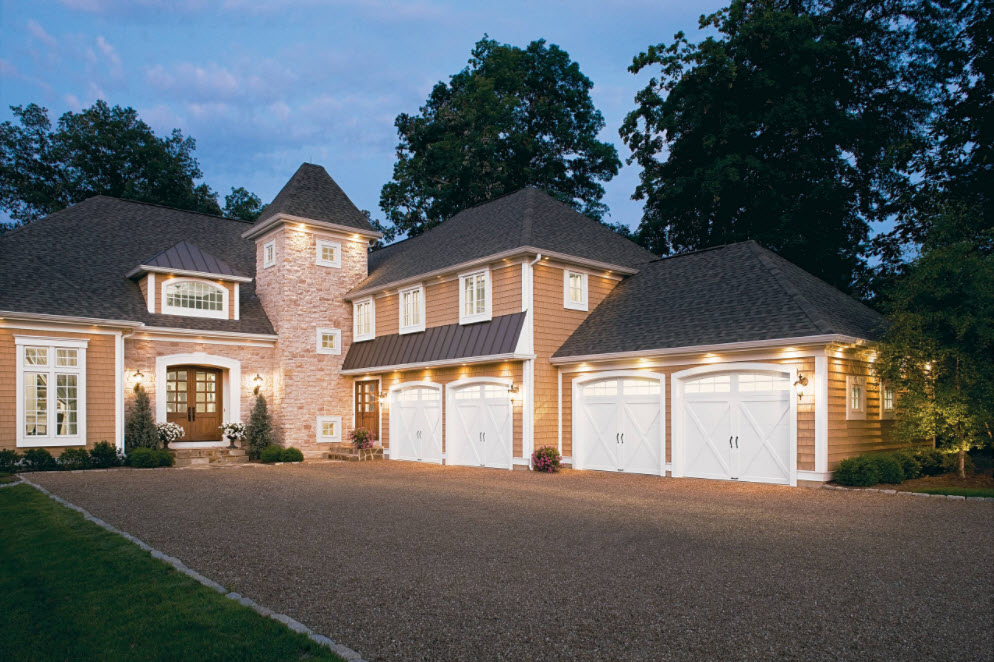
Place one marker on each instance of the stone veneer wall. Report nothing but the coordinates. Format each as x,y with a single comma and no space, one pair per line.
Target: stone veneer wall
141,355
300,296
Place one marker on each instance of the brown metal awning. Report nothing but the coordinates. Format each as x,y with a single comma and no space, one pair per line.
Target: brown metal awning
498,337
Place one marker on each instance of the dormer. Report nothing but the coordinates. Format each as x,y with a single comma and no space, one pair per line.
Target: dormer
187,281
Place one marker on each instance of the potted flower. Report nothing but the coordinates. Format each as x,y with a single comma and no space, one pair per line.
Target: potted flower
361,438
233,431
168,433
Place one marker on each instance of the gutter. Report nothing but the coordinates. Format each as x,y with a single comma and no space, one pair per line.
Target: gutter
67,319
144,268
261,228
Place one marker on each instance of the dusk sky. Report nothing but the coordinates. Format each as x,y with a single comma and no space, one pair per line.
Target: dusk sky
264,85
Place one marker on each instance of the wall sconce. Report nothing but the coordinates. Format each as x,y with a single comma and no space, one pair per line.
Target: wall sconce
383,395
512,392
799,385
136,379
257,380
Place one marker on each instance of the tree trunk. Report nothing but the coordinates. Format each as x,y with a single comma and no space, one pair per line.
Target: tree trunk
962,463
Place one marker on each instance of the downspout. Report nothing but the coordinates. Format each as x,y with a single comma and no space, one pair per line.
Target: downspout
528,369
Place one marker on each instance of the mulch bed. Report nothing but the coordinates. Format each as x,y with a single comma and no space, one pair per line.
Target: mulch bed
983,479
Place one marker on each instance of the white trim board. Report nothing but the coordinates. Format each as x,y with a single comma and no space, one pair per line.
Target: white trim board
232,381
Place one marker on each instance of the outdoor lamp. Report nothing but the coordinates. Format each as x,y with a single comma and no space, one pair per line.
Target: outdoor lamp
257,380
799,385
512,390
137,378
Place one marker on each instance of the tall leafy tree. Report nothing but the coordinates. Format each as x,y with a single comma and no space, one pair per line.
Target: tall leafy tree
797,124
101,150
243,204
513,118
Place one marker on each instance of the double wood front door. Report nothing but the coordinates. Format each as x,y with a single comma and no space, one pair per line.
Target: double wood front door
367,406
193,401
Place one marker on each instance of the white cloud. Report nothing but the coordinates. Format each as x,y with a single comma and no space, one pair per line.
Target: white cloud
110,55
39,33
73,102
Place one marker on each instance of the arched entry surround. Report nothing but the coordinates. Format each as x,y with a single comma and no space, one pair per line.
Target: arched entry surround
231,379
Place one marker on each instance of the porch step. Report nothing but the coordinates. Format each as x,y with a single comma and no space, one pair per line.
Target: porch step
348,453
188,457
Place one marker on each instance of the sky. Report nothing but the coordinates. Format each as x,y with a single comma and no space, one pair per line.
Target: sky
265,85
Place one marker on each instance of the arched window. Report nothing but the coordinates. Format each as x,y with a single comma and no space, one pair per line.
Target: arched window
194,297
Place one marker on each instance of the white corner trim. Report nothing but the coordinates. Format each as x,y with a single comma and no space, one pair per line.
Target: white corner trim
323,331
119,382
817,476
166,309
821,413
237,303
232,381
150,291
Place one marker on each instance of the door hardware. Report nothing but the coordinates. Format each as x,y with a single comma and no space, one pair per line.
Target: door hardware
729,441
622,437
736,441
616,435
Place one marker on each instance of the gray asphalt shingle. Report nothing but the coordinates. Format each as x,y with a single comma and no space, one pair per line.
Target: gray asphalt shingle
311,193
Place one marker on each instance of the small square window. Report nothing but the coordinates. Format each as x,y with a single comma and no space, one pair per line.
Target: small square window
269,254
329,429
574,290
328,253
36,356
855,398
329,341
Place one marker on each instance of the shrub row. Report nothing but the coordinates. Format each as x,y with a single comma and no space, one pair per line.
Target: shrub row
273,453
897,467
103,456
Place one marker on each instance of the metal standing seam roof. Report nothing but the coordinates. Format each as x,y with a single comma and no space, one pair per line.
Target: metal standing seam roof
439,343
185,256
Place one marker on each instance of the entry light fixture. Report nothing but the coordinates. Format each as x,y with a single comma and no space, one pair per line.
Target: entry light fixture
383,395
512,389
137,378
799,385
257,380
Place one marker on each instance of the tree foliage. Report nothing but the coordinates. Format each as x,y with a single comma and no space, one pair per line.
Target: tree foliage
939,348
242,203
797,125
101,150
259,431
512,118
139,427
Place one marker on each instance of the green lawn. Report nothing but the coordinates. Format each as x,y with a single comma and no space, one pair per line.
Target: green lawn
959,491
69,590
6,478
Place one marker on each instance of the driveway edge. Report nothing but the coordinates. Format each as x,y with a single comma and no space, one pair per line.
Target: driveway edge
296,626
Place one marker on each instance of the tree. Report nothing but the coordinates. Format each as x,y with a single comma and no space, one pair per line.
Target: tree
101,150
139,428
797,125
939,348
259,432
512,118
242,203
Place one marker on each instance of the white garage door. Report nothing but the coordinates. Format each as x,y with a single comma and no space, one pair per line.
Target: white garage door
737,426
618,425
479,425
416,422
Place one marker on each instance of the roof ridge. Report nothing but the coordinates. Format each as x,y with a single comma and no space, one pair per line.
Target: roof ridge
809,309
155,204
526,216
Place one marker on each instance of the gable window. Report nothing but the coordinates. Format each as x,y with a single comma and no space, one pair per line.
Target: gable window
195,298
412,309
328,253
329,429
363,320
269,254
574,290
51,392
887,396
474,297
329,341
855,398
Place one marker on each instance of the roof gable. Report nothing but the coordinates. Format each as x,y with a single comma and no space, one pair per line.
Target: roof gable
312,194
187,257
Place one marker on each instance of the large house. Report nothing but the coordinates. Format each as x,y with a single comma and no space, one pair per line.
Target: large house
516,324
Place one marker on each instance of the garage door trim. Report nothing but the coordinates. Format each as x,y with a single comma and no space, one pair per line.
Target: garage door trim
577,402
392,418
450,412
679,379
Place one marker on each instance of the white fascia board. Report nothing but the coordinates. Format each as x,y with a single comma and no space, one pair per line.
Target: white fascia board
143,269
12,316
165,332
261,228
492,358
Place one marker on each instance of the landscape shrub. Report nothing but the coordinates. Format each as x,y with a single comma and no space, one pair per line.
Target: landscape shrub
74,459
104,455
139,425
910,465
950,464
546,459
291,455
888,468
38,459
930,459
271,453
9,460
147,458
259,431
859,471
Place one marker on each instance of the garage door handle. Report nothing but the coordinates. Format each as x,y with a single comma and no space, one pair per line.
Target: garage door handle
736,441
616,437
484,437
622,437
729,441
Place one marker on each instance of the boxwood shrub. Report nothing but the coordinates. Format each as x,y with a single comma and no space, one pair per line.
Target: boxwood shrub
74,459
9,460
38,459
859,471
888,468
104,455
147,458
910,465
291,455
271,453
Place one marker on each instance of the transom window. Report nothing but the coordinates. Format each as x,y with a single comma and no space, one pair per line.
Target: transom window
328,253
575,290
474,297
412,309
51,392
363,320
329,341
196,298
716,384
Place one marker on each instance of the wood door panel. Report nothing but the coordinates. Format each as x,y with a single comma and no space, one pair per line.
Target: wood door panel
194,401
367,406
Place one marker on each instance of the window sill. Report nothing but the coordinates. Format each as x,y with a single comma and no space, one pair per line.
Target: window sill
210,314
569,305
476,319
50,442
363,338
412,329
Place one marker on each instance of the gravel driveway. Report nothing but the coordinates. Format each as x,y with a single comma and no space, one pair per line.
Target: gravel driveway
404,561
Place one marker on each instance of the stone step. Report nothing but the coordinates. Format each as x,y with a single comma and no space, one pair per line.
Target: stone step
188,457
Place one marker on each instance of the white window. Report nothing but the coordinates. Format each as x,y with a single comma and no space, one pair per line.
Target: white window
194,298
329,429
328,253
855,398
412,309
363,320
269,254
474,297
51,392
329,341
574,290
887,397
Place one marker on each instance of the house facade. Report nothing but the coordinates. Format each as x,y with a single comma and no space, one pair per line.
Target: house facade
513,325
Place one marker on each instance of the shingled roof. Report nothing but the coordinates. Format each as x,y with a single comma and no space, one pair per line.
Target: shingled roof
312,194
736,293
529,217
75,262
185,256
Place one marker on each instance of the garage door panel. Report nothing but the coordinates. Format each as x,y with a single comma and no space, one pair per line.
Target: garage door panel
764,443
618,424
599,434
641,446
480,425
707,428
414,432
